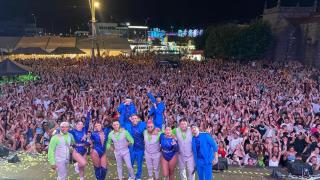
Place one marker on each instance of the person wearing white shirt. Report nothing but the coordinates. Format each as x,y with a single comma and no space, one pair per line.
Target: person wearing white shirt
274,161
37,101
234,142
46,102
315,108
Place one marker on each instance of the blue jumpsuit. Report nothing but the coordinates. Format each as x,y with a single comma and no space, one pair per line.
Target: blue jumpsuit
100,172
157,113
204,147
125,112
137,149
80,142
168,150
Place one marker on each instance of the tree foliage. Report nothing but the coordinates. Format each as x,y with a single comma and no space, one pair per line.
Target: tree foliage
200,41
156,42
180,41
231,41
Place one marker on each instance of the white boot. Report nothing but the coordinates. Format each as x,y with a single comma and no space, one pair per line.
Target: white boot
76,168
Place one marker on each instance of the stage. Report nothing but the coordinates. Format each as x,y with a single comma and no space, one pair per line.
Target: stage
36,167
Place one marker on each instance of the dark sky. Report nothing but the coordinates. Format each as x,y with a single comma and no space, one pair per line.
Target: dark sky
61,15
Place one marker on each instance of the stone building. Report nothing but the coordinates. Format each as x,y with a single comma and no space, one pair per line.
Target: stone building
296,28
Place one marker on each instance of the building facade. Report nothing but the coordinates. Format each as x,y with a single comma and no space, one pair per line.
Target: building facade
297,30
18,27
123,30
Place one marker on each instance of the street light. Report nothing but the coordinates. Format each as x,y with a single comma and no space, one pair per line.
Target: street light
35,22
93,5
97,5
35,19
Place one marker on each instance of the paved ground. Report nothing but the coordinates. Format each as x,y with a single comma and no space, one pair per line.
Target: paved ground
36,168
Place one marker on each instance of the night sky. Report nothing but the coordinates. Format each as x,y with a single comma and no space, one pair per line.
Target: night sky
61,15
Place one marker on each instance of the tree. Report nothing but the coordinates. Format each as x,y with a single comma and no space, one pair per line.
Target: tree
231,41
182,41
220,41
200,41
254,40
156,42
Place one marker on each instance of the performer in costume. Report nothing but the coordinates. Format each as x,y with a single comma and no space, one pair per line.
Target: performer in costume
169,151
185,156
98,152
126,110
79,152
121,140
136,129
157,110
152,150
205,153
59,151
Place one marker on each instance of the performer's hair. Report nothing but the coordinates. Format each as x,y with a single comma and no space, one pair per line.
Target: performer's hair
135,115
116,121
64,124
195,125
97,122
183,120
78,121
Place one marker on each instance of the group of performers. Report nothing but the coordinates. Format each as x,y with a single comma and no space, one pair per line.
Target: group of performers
132,141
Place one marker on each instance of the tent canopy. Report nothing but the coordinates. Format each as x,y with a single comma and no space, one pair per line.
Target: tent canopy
104,42
11,68
30,50
67,50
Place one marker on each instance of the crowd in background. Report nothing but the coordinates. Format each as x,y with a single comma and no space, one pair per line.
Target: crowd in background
260,114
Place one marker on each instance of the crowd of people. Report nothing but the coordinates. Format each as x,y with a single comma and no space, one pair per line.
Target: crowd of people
261,114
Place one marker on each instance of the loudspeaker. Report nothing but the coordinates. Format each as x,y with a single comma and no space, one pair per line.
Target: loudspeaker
4,151
300,169
14,159
221,165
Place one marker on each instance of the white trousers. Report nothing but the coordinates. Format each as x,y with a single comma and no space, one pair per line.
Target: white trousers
186,163
153,164
62,170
